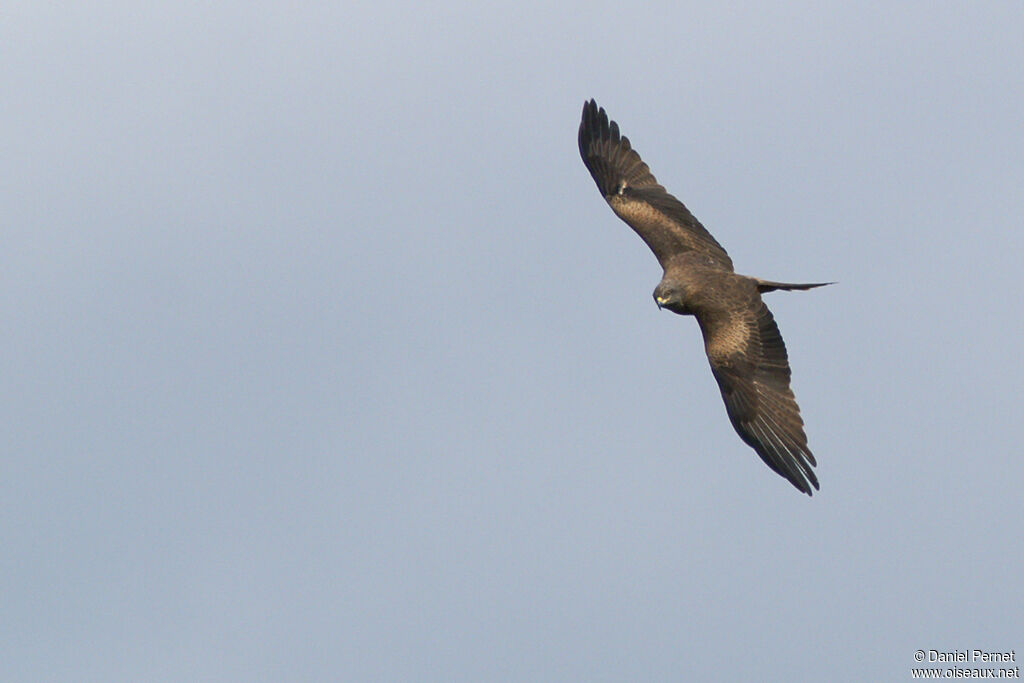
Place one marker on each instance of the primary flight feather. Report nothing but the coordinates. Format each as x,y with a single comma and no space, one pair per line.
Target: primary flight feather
747,355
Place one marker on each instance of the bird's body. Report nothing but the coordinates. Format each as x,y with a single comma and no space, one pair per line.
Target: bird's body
743,345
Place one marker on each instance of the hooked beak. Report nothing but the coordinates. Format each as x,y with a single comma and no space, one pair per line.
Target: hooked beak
660,300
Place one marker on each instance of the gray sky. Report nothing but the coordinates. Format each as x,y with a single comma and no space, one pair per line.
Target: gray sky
323,358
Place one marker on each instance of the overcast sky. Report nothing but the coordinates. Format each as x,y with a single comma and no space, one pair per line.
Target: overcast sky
323,358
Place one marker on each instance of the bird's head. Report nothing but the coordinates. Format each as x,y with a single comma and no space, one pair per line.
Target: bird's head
670,294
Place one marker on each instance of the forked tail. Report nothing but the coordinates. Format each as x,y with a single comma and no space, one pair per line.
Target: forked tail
769,286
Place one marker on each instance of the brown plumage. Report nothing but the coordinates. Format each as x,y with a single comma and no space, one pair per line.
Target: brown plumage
747,355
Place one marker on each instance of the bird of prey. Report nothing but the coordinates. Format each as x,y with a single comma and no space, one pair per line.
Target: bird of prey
742,342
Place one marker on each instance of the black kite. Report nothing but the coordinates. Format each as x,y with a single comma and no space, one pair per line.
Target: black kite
747,355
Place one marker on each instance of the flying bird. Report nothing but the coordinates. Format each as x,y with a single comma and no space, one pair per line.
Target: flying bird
747,355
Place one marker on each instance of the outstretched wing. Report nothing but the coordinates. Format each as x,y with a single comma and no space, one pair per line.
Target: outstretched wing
749,361
661,220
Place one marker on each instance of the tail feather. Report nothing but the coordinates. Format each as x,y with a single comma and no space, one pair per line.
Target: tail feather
769,286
